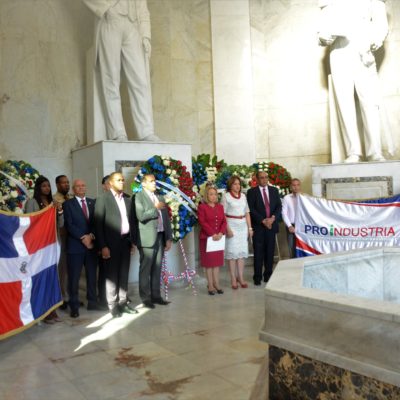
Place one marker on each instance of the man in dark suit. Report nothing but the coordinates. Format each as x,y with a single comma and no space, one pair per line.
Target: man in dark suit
78,222
154,236
113,235
265,209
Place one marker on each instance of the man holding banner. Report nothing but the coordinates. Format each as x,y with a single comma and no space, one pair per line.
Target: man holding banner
289,210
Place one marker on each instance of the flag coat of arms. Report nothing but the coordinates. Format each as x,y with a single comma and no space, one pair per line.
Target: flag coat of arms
328,226
29,253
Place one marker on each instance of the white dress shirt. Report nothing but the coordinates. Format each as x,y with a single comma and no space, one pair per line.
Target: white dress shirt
79,199
119,197
289,209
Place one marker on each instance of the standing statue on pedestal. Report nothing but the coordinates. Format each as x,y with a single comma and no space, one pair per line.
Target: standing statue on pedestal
354,29
122,40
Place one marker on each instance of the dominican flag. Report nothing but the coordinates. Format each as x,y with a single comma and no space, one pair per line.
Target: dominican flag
29,253
328,226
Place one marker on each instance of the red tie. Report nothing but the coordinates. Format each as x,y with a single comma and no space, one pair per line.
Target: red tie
266,203
84,209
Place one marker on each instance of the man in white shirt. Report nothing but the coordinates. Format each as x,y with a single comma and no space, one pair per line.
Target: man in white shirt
289,210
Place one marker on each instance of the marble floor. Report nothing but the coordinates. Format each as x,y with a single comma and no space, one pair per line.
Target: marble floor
197,347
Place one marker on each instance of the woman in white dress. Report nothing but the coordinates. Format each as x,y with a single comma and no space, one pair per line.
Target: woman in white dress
238,231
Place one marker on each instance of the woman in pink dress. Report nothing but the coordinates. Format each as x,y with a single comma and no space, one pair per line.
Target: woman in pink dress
213,224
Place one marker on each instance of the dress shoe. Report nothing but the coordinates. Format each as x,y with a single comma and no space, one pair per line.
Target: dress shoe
64,305
212,292
234,287
376,157
257,283
151,138
160,301
74,314
115,312
148,304
121,138
244,285
220,291
127,309
353,158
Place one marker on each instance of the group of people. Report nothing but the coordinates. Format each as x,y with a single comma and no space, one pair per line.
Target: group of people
239,218
101,235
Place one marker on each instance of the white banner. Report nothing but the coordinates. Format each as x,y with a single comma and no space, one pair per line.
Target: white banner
327,226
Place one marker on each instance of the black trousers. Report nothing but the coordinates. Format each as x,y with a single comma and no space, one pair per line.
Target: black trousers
264,248
101,280
150,270
291,239
116,270
75,262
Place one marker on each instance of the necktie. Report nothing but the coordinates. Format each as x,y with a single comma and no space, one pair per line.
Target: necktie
266,203
84,209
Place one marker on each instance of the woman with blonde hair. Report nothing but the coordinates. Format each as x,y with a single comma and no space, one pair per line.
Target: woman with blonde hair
213,224
239,230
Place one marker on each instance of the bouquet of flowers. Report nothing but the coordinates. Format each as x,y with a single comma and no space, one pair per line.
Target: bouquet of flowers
206,169
244,172
16,176
176,184
278,176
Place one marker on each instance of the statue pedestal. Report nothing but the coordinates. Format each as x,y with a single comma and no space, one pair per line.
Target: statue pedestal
358,181
94,161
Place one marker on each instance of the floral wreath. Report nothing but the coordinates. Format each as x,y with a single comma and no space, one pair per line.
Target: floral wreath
278,176
17,181
176,184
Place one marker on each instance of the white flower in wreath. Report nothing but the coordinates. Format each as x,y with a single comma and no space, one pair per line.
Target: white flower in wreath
168,171
177,235
14,194
167,163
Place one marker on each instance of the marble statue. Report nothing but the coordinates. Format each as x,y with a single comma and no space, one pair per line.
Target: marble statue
354,30
122,41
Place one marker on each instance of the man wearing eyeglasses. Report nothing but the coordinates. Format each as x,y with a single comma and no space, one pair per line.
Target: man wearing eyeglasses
265,210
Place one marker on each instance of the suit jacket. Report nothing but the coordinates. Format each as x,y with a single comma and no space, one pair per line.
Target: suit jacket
147,220
212,220
100,8
77,225
257,207
107,220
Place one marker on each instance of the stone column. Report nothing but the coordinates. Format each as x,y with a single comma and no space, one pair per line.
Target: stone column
233,82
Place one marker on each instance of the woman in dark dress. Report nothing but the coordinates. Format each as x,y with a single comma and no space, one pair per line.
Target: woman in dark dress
213,224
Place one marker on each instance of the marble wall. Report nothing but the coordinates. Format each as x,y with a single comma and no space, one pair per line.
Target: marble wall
294,376
42,78
42,65
290,85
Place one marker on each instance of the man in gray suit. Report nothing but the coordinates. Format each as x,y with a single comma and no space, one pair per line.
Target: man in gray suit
154,236
114,239
122,40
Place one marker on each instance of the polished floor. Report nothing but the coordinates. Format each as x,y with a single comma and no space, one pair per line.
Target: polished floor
197,347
